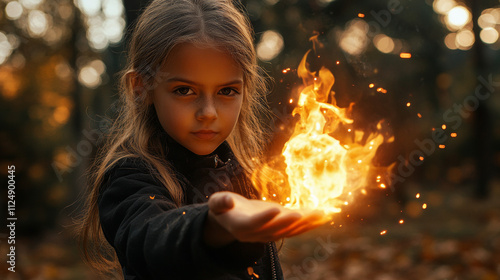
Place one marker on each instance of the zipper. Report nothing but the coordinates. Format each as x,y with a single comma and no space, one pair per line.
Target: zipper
273,265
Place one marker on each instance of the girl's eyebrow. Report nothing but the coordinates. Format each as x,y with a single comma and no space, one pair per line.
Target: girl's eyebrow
176,79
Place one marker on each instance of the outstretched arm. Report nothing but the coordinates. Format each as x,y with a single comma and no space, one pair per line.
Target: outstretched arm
233,217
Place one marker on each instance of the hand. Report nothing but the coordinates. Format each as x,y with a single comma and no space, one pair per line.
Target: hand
233,217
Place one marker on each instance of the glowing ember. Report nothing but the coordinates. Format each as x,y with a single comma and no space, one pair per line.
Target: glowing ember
405,55
152,197
443,126
382,90
361,15
419,115
454,134
326,158
418,195
401,221
421,158
383,232
442,146
286,70
408,104
371,85
424,206
291,100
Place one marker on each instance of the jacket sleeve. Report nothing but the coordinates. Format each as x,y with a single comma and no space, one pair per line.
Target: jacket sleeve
155,239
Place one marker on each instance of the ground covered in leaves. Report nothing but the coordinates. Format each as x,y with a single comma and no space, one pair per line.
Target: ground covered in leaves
456,237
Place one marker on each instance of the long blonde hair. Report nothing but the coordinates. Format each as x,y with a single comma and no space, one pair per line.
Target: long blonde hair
136,131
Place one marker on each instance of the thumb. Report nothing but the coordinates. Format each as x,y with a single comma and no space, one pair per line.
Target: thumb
220,202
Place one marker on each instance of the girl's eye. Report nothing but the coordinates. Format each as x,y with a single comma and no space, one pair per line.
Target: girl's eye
228,91
183,91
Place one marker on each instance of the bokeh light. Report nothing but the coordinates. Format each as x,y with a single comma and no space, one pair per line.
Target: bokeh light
458,17
38,23
105,22
31,4
450,41
354,39
465,39
90,74
384,43
489,35
443,6
270,45
5,47
13,10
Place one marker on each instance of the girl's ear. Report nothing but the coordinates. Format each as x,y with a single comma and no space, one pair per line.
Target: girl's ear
139,89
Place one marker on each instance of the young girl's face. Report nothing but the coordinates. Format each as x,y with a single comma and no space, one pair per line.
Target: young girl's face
199,98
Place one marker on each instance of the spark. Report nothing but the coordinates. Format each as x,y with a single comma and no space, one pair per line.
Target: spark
424,206
442,146
454,134
443,126
418,195
382,186
408,104
184,213
291,100
286,70
382,90
338,62
383,232
371,85
361,15
152,197
405,55
401,221
419,115
421,158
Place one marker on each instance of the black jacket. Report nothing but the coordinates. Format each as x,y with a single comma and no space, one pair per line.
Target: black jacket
155,239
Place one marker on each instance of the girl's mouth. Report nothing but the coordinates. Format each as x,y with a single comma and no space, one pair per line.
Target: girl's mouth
205,134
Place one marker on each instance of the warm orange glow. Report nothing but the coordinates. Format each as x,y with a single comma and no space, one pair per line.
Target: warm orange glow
382,186
318,171
383,232
382,90
424,206
419,115
371,85
443,126
338,62
421,158
405,55
152,197
442,146
291,100
286,70
361,15
401,221
418,195
408,104
454,134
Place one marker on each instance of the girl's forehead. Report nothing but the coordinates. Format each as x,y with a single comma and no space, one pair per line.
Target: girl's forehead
201,62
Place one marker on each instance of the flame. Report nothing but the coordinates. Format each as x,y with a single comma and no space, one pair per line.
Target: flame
319,169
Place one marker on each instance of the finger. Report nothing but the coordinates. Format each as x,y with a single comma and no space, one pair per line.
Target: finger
220,202
302,229
280,224
260,219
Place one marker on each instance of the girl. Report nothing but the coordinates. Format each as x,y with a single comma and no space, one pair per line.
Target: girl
170,196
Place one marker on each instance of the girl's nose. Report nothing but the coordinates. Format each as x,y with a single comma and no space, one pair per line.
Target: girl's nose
207,109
